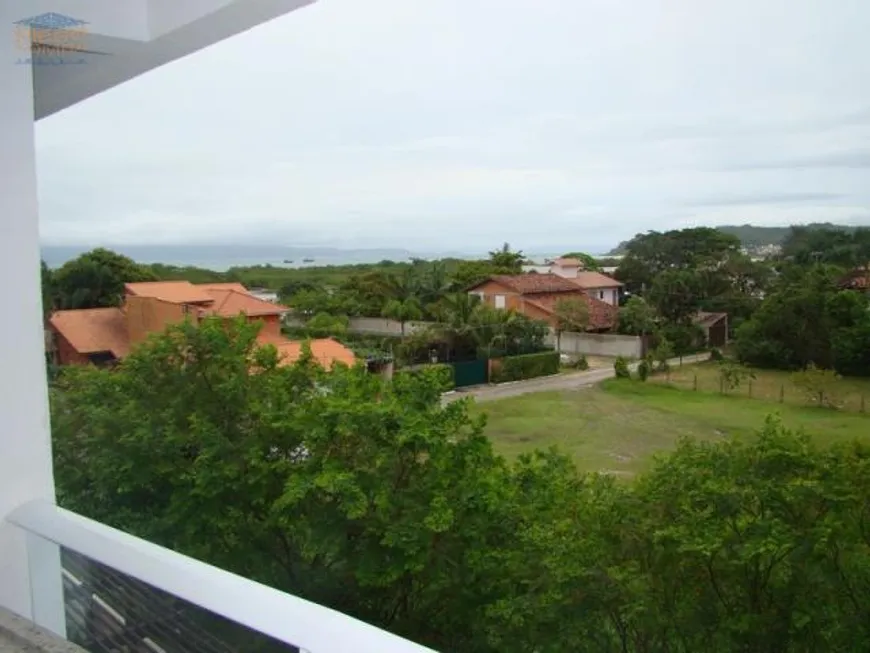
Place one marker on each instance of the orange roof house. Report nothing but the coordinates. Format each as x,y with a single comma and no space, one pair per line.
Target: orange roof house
536,296
102,335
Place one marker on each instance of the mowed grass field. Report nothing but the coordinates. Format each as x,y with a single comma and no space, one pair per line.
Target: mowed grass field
618,426
768,385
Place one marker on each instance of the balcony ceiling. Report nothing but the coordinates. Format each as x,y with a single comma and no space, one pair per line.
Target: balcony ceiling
121,40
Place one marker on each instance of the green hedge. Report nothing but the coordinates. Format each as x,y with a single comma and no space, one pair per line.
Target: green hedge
527,366
443,372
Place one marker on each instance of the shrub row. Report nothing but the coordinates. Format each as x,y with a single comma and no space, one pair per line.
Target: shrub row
443,372
527,366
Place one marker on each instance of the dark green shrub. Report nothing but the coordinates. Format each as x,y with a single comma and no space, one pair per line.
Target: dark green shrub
620,367
527,366
716,354
442,371
580,363
643,370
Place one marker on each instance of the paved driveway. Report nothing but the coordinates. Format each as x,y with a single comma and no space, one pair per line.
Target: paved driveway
568,381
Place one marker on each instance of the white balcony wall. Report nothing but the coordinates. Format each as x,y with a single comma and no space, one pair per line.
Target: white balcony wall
25,441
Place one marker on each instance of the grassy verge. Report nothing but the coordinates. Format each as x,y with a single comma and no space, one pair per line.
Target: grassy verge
768,385
619,426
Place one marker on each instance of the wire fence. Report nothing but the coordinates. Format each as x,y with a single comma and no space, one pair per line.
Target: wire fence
846,394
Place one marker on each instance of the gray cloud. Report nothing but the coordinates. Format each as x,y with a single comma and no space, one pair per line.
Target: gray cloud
458,124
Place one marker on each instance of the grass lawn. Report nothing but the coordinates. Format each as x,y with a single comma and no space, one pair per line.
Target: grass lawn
768,385
618,426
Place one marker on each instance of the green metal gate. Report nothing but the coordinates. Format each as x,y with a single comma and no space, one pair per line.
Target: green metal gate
470,373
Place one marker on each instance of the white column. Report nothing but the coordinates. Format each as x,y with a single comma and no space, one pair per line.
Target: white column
30,581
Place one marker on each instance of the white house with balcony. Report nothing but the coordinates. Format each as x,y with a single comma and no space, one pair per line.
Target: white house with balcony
54,54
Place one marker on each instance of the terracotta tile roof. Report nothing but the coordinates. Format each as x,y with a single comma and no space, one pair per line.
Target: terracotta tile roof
176,292
530,284
601,314
93,330
230,303
590,280
232,285
326,351
857,279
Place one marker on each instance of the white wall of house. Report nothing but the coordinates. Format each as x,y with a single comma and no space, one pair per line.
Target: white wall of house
25,438
597,344
567,272
606,295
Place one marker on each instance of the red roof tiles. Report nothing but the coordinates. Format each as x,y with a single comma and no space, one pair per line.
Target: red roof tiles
94,330
530,284
595,280
230,303
177,292
601,314
326,351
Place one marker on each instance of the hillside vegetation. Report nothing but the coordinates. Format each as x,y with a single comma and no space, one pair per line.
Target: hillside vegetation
752,237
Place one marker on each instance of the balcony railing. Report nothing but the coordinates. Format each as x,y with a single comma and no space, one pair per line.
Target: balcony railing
298,623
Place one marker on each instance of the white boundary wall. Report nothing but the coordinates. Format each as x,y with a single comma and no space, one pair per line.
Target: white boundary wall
590,344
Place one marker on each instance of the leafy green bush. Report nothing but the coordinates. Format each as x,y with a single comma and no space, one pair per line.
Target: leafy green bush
527,366
643,370
620,367
579,363
716,354
442,372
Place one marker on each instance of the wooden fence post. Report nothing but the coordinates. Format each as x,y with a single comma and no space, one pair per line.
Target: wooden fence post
695,383
862,402
750,389
781,393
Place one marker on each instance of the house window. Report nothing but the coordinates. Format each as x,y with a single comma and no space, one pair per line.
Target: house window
500,301
600,294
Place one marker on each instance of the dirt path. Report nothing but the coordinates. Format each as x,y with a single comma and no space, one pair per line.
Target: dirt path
569,381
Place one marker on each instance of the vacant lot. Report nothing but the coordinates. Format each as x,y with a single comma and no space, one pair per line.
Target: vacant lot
768,385
618,426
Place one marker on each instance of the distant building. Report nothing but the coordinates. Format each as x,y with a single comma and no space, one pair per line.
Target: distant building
536,296
597,285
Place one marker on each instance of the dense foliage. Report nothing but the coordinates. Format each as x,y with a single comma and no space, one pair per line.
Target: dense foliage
527,366
373,498
93,280
806,319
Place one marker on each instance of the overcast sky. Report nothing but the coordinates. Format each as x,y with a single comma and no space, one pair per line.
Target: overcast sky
460,124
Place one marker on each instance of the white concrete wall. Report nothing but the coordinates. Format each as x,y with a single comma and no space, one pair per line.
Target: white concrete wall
25,439
383,326
598,344
606,295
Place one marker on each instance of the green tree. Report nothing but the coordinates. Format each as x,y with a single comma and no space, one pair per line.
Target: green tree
403,311
840,246
96,280
820,386
364,495
732,375
589,262
507,259
805,319
637,317
571,315
676,295
696,249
